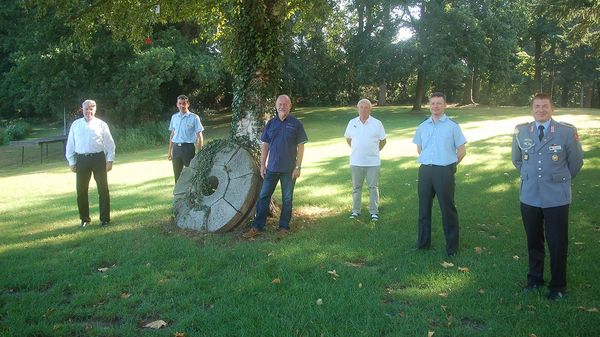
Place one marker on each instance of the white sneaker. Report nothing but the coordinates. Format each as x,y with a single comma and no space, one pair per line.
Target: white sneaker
353,215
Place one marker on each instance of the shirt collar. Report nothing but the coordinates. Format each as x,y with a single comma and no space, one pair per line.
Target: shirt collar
442,119
546,124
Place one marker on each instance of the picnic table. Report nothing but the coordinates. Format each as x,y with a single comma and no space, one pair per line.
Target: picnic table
40,142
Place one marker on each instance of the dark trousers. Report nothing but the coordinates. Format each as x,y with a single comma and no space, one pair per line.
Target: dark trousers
437,180
264,199
182,156
553,223
86,165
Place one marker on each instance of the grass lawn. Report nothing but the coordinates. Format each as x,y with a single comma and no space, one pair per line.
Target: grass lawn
53,283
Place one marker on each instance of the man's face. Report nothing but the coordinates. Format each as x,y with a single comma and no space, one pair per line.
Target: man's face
183,105
541,109
364,111
89,110
283,106
437,106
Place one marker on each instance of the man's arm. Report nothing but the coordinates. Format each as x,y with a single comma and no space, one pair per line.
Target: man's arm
264,153
419,149
70,150
171,144
200,141
574,154
299,157
517,156
349,141
461,152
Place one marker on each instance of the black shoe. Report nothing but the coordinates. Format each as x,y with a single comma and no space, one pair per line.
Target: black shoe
555,295
104,223
84,223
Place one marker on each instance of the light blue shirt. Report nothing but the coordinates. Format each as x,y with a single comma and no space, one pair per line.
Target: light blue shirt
439,141
546,127
186,127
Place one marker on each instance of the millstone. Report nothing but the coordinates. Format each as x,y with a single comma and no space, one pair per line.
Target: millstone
235,180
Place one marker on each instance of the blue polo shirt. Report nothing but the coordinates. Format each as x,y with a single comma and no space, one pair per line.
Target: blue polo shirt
283,138
439,141
186,127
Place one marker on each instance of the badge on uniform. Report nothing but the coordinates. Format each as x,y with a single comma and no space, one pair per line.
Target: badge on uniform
554,157
526,156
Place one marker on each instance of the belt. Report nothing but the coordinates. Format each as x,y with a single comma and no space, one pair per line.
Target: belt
432,165
182,144
89,154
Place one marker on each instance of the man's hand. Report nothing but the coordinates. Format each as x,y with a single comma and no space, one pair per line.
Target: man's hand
108,166
263,170
73,168
170,156
295,173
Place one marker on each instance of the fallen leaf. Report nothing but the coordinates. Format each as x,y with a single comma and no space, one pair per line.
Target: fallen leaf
531,306
532,335
493,237
360,285
156,324
444,295
447,264
515,257
103,269
579,243
319,301
592,310
354,264
179,334
271,254
464,269
401,314
477,250
333,274
444,307
276,281
125,295
430,333
481,291
506,174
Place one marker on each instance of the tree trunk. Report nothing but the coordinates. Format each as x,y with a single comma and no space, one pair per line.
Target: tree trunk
467,97
589,94
537,76
382,93
419,90
564,97
476,86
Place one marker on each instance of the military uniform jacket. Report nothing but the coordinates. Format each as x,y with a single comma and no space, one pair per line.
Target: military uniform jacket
546,166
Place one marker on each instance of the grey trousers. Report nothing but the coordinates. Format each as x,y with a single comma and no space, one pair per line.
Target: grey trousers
371,173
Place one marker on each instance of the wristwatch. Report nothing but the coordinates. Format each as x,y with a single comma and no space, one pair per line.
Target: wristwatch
298,167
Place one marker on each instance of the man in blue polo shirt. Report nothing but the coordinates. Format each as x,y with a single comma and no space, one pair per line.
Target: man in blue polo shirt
441,146
186,136
283,145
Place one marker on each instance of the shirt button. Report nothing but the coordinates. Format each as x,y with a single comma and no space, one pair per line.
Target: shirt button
539,161
539,168
539,154
540,176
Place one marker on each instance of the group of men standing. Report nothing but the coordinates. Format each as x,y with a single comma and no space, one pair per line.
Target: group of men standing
547,154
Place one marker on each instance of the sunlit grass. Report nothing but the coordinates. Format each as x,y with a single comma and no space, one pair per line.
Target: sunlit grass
221,285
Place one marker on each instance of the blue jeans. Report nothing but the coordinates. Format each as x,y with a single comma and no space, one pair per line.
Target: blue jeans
264,198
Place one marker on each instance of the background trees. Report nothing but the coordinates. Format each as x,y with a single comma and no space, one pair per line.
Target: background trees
55,54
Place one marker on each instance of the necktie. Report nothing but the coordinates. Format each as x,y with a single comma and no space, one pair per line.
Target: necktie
541,128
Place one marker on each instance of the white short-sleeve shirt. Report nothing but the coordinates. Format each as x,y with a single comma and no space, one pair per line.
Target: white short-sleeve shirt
365,141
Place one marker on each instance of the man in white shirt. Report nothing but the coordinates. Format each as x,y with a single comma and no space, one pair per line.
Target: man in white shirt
366,137
91,149
186,136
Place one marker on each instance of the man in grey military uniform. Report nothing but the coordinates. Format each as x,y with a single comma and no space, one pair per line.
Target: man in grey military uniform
548,155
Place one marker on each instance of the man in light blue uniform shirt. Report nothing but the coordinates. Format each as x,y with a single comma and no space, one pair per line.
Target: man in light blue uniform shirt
186,136
548,155
441,146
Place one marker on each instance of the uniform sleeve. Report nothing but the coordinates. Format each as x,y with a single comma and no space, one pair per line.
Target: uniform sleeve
199,126
517,156
417,137
301,137
264,137
109,143
574,153
459,137
70,148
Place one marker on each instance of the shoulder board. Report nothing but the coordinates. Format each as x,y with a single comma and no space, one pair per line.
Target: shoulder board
567,124
522,124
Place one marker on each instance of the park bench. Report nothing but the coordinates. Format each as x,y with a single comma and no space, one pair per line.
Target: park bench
40,142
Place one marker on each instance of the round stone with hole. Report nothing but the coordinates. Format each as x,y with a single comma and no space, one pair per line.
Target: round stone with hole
234,181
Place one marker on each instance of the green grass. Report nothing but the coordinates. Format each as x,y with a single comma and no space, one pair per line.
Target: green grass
220,285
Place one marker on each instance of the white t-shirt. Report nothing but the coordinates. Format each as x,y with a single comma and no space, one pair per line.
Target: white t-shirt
365,141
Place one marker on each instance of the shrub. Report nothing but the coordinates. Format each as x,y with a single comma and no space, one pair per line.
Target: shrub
142,137
3,136
18,129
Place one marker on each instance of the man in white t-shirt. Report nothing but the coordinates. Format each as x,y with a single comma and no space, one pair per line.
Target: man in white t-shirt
366,137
